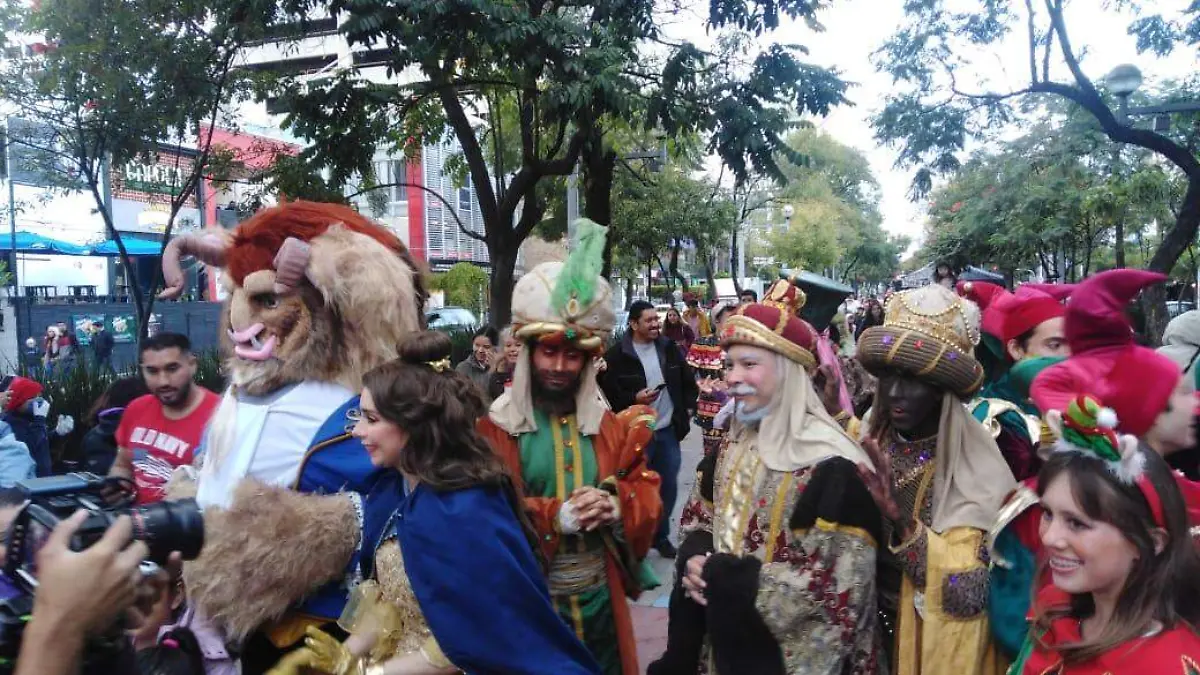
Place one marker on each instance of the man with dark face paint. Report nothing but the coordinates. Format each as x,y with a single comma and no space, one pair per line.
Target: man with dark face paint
939,481
590,496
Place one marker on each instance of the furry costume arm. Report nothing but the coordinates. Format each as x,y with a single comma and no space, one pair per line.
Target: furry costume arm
269,550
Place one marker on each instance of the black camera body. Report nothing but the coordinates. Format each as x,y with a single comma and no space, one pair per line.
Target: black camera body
165,527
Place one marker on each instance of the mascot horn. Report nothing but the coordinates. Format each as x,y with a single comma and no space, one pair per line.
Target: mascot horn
317,296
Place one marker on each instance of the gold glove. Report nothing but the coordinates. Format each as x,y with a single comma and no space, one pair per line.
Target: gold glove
323,653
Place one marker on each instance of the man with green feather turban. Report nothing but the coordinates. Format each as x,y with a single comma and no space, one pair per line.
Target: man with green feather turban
582,469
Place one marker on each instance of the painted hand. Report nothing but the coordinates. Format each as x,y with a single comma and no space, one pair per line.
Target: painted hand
882,485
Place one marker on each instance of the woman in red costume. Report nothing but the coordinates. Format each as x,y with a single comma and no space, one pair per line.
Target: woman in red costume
1126,576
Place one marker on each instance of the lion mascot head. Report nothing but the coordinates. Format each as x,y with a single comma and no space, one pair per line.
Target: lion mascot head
315,292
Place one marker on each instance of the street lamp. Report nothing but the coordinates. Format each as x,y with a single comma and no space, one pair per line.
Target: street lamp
1122,82
788,212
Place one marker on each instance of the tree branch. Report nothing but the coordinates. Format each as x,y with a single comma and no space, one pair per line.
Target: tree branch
1032,25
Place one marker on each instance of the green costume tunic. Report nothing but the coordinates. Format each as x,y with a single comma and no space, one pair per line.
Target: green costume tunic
555,460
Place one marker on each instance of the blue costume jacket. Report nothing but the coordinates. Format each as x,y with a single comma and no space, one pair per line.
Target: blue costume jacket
336,462
476,578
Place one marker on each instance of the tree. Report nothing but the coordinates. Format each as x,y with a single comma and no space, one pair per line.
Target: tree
836,226
464,284
116,81
573,73
1055,192
937,111
655,220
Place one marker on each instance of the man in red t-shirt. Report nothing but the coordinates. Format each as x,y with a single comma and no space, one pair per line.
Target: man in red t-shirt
160,431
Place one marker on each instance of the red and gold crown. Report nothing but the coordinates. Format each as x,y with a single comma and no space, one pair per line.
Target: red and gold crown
774,323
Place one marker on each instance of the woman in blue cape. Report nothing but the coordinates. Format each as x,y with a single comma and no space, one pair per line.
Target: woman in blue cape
453,582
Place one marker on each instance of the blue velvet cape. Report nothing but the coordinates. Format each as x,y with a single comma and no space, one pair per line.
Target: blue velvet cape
476,578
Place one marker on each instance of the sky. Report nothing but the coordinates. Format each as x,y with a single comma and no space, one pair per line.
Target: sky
854,29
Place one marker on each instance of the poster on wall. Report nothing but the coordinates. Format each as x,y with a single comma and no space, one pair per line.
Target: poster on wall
124,328
82,325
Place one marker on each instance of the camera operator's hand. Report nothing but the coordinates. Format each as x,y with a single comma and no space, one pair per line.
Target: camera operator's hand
79,592
86,590
155,600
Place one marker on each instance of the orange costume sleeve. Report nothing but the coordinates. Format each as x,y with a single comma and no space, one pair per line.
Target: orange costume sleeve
620,449
637,487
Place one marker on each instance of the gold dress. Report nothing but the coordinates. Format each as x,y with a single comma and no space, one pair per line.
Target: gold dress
388,605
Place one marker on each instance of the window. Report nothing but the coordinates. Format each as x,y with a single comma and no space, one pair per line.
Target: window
464,196
390,172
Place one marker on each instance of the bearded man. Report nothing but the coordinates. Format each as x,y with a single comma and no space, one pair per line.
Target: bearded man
317,296
939,481
582,469
777,565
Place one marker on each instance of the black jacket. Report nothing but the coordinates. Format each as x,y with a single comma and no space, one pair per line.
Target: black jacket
625,377
102,345
100,443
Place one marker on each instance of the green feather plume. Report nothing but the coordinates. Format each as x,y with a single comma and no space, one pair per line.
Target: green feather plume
577,280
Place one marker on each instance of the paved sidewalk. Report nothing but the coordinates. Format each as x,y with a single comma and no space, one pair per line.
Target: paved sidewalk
650,610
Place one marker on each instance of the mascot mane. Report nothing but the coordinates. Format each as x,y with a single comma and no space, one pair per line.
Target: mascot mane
257,240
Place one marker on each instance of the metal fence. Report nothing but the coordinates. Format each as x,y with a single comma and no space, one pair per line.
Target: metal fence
200,321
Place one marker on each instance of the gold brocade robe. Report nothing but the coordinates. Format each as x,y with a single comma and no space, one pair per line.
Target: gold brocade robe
941,606
810,530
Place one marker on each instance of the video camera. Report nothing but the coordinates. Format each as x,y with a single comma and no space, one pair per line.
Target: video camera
165,527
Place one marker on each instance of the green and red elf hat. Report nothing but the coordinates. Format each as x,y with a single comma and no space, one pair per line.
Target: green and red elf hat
1087,427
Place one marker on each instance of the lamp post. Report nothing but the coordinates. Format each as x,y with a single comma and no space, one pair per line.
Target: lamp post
1123,81
656,161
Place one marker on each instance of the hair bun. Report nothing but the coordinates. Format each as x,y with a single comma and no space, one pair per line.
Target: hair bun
425,346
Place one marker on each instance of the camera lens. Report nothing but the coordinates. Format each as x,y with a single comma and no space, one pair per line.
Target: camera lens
170,526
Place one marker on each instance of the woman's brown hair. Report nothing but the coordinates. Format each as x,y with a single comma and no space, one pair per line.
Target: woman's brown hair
438,409
1162,587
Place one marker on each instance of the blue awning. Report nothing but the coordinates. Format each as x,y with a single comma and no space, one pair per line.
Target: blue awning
134,247
28,242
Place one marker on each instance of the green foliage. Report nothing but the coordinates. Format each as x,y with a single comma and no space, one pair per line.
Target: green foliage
464,284
123,80
836,223
555,81
653,219
1055,192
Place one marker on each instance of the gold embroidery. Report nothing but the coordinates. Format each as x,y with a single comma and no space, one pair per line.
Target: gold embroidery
577,474
781,494
934,363
560,484
827,526
577,616
723,529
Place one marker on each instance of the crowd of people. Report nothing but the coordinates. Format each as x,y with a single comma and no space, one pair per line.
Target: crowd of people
1003,502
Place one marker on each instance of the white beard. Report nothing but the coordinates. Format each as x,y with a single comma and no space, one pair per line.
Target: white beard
750,418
